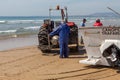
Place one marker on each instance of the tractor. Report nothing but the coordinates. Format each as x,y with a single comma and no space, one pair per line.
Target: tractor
46,43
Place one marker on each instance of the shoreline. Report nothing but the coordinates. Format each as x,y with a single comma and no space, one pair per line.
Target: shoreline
4,37
18,41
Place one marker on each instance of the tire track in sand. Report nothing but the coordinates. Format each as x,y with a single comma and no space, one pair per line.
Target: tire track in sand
23,65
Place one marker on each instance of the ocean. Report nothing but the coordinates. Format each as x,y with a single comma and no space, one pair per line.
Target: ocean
14,26
18,25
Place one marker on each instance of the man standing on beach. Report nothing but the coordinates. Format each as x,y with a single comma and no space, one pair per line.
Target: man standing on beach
98,23
63,30
83,23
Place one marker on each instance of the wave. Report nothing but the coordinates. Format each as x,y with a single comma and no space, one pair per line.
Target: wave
31,29
19,21
8,31
3,22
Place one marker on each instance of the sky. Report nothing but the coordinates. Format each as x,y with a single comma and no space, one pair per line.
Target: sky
41,7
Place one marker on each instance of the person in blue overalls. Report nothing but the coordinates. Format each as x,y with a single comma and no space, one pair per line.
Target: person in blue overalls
63,30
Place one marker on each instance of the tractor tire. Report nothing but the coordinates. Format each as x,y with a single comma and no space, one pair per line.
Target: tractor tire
43,40
73,39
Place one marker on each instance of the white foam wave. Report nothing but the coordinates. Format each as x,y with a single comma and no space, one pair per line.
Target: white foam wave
20,21
2,22
33,27
20,29
8,31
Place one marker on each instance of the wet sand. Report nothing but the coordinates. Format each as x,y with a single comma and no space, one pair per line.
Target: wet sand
17,42
28,63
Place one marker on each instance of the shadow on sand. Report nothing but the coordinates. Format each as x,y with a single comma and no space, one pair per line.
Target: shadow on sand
101,69
72,51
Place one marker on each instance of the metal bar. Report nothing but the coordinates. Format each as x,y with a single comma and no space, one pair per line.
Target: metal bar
113,11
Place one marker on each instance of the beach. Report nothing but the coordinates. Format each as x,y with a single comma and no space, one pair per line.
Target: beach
20,58
44,40
28,63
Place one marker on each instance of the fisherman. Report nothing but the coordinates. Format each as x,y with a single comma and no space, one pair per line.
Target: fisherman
63,31
83,23
97,23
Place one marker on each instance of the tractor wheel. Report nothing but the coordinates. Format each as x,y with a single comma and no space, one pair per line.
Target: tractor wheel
43,39
73,35
73,38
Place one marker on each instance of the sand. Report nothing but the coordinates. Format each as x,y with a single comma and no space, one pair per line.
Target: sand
28,63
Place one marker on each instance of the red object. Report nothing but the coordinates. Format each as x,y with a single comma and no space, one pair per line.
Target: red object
70,23
97,24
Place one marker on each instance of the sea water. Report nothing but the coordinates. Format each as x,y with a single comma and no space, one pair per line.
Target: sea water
12,26
107,21
17,25
19,31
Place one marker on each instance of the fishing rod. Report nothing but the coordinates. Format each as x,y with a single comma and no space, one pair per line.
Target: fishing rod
113,11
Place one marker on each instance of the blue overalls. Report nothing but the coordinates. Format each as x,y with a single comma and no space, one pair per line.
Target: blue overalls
63,31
